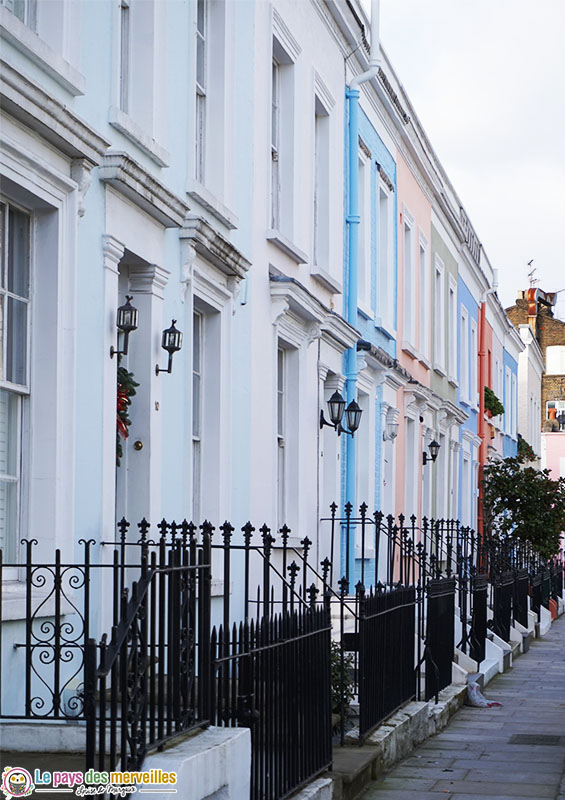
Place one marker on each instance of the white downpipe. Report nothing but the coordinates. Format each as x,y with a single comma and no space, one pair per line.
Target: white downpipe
374,60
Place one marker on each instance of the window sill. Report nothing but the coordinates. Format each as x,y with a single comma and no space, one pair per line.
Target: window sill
470,405
425,362
14,605
365,311
409,348
29,44
453,382
370,552
385,327
440,370
122,122
286,246
327,281
207,200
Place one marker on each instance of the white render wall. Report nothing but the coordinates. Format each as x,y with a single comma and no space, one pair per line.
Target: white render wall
130,215
530,369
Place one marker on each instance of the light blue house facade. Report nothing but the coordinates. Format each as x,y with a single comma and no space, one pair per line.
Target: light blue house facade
468,401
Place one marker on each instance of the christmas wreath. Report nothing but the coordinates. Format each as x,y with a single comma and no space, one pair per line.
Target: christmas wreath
126,390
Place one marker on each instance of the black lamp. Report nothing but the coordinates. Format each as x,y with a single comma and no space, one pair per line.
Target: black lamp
433,447
336,407
126,322
171,341
353,415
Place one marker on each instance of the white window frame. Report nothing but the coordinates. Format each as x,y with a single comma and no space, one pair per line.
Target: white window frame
409,302
452,330
281,216
439,316
385,259
514,421
47,495
18,390
29,8
197,377
125,55
213,305
321,194
473,388
364,260
507,401
286,432
424,298
200,113
464,377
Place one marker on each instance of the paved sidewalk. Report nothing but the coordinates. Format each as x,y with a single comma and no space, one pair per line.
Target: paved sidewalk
508,753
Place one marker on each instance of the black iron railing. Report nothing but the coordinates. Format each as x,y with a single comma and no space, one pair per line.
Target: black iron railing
478,631
387,680
556,579
140,687
520,599
536,590
440,636
274,677
145,665
503,590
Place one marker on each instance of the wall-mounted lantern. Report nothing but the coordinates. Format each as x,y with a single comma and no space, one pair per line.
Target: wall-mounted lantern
126,322
336,407
433,447
171,341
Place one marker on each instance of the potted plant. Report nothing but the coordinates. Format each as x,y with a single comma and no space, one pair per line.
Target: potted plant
493,406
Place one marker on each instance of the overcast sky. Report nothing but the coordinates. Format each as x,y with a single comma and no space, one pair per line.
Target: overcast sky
487,80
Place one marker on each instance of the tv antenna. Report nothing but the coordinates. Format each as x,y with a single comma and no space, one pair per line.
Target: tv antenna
531,274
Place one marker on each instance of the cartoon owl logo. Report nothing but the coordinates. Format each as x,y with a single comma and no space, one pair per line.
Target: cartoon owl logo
16,782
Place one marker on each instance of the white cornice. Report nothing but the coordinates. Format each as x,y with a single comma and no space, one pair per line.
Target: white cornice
297,299
47,116
341,332
133,181
214,247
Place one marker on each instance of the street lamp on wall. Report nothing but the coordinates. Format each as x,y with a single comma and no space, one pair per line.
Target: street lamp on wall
336,408
171,341
126,322
433,447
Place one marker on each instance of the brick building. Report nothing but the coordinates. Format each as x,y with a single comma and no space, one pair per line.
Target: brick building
535,308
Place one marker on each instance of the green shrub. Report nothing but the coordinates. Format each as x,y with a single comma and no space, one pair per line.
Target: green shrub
348,693
492,403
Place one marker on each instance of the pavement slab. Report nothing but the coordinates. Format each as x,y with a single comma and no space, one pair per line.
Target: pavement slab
505,753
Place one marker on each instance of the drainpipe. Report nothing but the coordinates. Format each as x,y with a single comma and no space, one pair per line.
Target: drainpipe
353,220
483,380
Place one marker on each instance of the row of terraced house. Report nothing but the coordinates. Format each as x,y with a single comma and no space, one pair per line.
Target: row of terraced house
223,227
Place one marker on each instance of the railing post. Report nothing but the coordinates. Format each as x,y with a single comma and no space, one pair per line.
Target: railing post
204,602
90,701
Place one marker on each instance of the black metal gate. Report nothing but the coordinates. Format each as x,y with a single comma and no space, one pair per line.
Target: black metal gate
387,678
479,600
503,588
440,635
274,677
520,600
